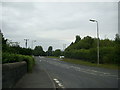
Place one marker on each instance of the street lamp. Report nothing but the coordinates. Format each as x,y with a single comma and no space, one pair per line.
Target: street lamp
97,40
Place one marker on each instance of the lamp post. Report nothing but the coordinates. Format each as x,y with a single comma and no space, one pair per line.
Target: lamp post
97,40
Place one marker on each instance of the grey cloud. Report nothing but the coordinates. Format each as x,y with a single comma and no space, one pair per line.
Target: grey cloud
57,21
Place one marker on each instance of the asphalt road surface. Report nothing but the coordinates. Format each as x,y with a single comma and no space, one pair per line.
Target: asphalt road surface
67,75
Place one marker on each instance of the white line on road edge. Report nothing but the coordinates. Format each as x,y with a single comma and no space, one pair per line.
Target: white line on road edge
59,84
55,79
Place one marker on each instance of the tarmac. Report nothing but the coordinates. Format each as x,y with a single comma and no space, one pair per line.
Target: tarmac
39,78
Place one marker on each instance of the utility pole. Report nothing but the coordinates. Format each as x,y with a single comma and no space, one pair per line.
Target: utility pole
26,42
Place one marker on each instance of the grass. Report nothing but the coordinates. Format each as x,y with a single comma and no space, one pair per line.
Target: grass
52,57
81,62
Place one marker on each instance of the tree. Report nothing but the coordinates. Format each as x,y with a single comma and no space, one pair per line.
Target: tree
4,43
49,52
57,52
38,51
117,38
77,39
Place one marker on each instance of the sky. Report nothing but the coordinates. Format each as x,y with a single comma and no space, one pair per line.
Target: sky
57,23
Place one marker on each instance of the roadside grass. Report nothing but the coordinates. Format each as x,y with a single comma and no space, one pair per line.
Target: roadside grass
81,62
52,57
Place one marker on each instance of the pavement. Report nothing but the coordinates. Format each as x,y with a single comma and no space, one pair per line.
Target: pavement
39,78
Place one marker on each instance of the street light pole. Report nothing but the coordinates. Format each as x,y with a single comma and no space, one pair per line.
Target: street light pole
97,40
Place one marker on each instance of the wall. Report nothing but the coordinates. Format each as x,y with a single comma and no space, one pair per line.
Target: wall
12,72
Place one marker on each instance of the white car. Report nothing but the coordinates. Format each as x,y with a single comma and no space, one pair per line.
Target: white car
61,57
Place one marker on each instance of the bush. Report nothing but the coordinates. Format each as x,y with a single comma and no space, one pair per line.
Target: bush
107,55
11,58
30,62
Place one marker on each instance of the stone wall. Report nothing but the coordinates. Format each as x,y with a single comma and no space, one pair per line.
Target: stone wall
12,72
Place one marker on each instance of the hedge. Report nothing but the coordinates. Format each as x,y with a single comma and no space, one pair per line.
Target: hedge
11,58
107,55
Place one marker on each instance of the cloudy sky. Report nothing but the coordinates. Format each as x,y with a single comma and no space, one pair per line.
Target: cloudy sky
57,23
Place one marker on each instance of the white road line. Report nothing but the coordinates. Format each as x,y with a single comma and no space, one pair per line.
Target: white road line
88,71
55,79
58,83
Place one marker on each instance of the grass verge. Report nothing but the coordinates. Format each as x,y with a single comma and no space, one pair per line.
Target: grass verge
81,62
52,57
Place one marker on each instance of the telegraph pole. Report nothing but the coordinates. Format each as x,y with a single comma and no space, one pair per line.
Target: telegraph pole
26,42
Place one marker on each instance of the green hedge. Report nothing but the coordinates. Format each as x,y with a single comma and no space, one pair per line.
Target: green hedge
107,55
11,58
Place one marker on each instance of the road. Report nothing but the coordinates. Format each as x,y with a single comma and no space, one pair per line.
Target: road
67,75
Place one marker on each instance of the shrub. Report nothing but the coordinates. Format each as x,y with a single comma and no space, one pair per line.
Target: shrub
107,55
11,58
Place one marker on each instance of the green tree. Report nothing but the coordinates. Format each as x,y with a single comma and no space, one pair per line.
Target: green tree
107,43
49,52
117,48
38,51
117,38
57,52
77,39
86,49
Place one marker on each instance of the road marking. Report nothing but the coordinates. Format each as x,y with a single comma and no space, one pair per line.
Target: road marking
58,83
88,71
93,72
40,60
55,79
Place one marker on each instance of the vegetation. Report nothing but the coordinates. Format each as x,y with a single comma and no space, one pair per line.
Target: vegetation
81,62
86,49
38,51
57,52
50,51
52,57
11,54
11,58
